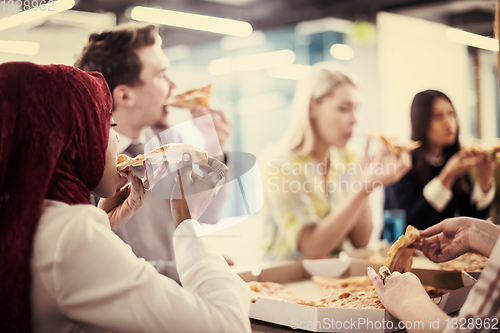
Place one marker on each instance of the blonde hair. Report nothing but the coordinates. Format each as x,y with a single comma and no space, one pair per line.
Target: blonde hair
324,78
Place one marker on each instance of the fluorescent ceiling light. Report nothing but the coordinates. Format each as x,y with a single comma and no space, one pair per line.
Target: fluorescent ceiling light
18,47
232,43
192,21
342,51
251,62
290,72
36,14
468,38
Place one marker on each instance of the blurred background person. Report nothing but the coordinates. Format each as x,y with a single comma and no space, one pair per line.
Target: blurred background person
131,59
315,187
439,185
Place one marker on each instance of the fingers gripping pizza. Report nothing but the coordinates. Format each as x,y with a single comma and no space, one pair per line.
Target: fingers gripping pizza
171,153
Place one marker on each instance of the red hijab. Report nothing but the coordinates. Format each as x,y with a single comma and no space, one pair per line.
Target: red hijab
54,131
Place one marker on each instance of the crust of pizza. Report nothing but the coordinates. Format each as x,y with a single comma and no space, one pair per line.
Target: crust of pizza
399,257
191,98
396,146
170,152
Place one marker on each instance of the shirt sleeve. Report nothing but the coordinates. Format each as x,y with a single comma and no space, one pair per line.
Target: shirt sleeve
481,199
482,306
98,280
437,195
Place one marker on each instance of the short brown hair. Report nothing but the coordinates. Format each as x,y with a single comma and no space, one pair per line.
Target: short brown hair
113,53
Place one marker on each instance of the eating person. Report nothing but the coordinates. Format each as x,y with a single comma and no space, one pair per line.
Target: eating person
316,188
132,61
440,185
62,267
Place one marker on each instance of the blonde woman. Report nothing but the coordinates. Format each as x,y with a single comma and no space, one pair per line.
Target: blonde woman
316,188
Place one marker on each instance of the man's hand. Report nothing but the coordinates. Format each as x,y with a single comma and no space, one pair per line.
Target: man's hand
222,127
192,194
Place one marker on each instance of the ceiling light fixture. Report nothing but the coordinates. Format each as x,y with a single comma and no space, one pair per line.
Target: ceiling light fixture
19,47
191,21
36,13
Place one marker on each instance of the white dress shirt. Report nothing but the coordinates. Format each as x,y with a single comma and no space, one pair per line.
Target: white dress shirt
86,279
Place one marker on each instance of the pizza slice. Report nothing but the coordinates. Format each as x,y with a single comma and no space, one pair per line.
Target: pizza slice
170,152
399,257
489,147
396,145
192,98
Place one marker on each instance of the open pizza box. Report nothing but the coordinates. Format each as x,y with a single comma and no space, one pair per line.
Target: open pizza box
295,276
370,257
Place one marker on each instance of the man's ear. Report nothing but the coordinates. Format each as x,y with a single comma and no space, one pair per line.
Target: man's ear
123,96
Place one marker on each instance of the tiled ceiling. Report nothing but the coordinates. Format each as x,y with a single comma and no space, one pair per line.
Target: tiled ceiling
471,15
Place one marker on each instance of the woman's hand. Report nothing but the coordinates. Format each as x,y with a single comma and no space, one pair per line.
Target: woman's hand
456,166
485,169
127,200
405,298
453,237
398,292
192,194
384,168
129,197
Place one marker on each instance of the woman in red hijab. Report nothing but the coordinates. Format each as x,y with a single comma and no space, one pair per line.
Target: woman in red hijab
62,269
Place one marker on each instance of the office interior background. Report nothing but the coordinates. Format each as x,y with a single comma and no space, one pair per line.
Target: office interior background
395,48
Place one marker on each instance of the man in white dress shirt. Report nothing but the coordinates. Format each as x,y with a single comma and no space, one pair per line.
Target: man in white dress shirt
131,59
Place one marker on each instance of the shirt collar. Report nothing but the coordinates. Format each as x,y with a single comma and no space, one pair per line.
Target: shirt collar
125,141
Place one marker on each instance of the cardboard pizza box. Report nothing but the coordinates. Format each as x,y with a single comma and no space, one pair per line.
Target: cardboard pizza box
419,260
296,277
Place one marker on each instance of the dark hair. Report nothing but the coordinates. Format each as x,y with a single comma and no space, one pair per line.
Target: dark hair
113,53
421,116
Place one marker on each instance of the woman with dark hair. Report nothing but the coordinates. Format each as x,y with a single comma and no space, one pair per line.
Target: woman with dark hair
440,186
62,269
